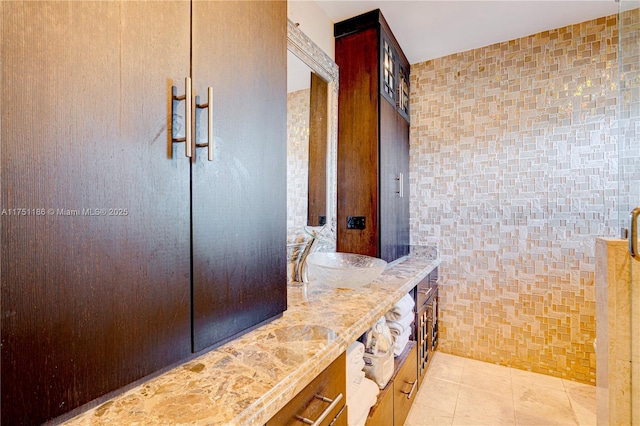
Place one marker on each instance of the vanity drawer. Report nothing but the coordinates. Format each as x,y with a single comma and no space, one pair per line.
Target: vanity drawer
426,288
324,397
405,387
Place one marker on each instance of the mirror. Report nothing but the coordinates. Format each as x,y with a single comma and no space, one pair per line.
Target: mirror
312,107
312,86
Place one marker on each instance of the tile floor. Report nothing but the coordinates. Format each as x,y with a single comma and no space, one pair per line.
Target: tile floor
461,391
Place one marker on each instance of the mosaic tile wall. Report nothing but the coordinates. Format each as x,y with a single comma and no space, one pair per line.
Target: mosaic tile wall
297,158
513,174
629,110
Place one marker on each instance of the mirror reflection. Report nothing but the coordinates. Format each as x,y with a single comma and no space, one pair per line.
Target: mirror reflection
307,137
312,88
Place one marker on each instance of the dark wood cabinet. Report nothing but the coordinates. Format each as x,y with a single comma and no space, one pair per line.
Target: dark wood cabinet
427,321
239,199
396,399
373,139
322,401
111,239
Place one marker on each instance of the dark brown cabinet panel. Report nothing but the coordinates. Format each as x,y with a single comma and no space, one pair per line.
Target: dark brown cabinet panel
324,398
373,139
106,225
239,199
95,268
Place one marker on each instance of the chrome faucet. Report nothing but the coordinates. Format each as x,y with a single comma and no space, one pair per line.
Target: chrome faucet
301,267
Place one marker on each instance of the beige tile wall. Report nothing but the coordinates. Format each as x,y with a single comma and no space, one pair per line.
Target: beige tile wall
513,174
297,158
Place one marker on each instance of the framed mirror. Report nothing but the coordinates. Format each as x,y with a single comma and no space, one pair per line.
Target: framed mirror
312,133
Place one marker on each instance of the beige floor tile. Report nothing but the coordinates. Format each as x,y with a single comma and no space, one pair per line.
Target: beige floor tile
529,378
453,360
582,398
460,391
487,368
484,381
425,416
539,405
439,394
477,406
444,371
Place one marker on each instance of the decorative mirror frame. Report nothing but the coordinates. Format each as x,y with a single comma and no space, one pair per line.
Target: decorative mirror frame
315,58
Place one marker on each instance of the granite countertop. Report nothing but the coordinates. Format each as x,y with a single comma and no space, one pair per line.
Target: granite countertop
248,380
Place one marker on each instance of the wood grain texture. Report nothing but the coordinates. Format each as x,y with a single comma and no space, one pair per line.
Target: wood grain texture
239,199
318,149
330,383
381,413
407,374
373,148
90,303
358,157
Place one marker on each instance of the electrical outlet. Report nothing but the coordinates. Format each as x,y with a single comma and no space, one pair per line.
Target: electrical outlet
356,222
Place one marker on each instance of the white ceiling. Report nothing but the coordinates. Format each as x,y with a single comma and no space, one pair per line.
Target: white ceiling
432,29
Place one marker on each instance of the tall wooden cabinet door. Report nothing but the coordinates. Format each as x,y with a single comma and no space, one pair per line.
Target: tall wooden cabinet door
390,200
239,198
403,201
95,205
394,183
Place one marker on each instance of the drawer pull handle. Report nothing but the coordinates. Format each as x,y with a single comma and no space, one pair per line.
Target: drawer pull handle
337,417
426,293
325,413
187,115
413,388
209,107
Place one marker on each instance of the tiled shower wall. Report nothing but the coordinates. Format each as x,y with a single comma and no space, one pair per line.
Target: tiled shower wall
513,174
297,158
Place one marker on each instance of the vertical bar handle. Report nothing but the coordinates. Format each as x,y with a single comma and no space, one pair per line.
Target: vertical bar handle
187,116
209,107
400,180
633,233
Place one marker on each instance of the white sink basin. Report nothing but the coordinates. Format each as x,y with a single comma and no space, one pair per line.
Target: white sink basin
344,270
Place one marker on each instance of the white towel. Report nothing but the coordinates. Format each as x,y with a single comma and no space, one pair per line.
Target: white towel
353,384
365,398
401,342
400,326
403,306
354,353
354,370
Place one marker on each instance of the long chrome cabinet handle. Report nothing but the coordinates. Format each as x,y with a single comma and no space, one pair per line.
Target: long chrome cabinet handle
337,417
413,388
633,233
209,107
325,413
400,180
187,116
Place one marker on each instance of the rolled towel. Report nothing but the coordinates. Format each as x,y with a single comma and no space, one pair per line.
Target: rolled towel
354,353
399,327
353,385
403,306
354,370
359,407
401,342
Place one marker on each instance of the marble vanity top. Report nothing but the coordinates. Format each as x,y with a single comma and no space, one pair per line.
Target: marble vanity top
248,380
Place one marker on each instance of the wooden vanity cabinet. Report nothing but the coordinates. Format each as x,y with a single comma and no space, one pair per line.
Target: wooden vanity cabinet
395,400
373,139
426,321
111,238
325,397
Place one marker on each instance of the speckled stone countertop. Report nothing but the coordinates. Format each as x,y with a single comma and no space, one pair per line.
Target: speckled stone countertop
248,380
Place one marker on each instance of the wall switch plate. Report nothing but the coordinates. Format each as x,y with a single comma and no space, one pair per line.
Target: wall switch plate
356,222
